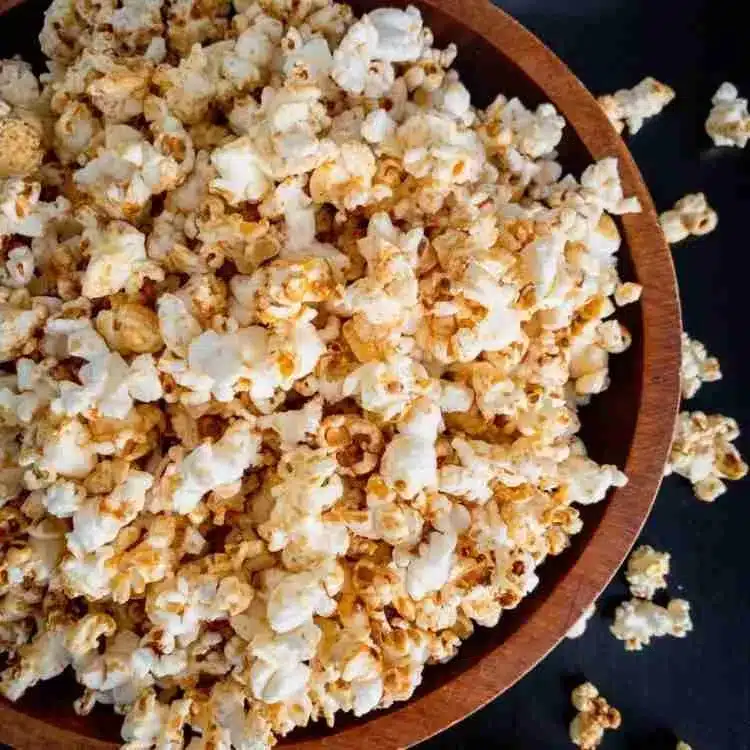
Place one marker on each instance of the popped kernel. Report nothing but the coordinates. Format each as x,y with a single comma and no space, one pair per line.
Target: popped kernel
632,106
703,453
728,122
691,216
696,366
646,571
637,621
594,717
579,626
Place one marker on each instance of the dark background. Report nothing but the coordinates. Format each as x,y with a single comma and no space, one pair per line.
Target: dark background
696,689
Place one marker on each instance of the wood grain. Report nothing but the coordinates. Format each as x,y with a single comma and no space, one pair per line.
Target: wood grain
630,424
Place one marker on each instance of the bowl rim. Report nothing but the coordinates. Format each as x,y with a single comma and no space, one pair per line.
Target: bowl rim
627,508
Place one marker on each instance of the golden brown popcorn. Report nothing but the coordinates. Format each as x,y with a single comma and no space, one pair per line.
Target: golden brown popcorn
357,443
702,452
130,328
21,149
594,717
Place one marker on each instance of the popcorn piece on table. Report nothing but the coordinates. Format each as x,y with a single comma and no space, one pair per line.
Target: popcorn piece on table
702,452
696,367
646,571
728,122
637,621
594,717
683,746
632,106
627,293
579,626
691,215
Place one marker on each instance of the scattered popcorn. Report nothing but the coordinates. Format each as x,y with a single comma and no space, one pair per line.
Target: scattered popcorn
691,215
647,571
632,106
579,626
637,621
703,453
697,367
293,340
594,717
728,122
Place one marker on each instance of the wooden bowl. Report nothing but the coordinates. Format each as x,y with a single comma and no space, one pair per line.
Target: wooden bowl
629,425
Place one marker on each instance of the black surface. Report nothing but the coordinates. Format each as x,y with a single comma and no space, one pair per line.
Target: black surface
698,688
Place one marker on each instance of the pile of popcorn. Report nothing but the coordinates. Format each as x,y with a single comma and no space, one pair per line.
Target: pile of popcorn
293,339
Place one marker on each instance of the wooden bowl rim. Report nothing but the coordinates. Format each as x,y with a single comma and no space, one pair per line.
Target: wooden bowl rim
627,508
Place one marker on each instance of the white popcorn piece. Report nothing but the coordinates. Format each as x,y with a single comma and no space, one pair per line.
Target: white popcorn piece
362,63
628,293
646,571
178,327
295,597
212,465
728,122
703,453
127,172
696,366
429,571
97,520
579,626
295,426
115,255
637,621
21,210
594,717
632,106
691,215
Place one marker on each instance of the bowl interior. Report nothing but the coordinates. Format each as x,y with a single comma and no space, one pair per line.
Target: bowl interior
609,423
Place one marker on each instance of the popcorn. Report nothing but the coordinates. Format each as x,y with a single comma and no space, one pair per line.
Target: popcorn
116,255
703,453
126,172
594,717
212,465
294,338
646,571
21,150
628,293
22,212
728,122
579,626
632,106
696,366
96,521
691,215
637,621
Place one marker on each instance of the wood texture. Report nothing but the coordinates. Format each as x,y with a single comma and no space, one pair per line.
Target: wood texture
630,424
